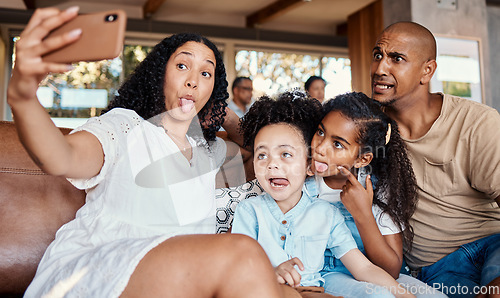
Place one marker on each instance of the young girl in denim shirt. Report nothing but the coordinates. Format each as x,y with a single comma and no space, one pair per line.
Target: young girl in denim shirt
294,228
362,168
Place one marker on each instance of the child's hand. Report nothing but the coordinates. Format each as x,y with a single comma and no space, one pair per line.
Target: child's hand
286,273
357,199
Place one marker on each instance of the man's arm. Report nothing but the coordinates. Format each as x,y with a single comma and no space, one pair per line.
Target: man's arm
485,154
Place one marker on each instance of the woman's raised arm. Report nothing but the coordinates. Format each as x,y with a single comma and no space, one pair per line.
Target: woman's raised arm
79,155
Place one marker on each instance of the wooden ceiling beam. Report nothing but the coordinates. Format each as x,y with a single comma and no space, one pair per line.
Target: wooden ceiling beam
150,7
272,11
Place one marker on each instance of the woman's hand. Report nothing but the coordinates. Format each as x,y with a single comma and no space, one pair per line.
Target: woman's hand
357,199
29,68
286,272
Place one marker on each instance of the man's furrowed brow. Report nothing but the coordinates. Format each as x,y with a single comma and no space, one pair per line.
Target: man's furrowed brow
395,54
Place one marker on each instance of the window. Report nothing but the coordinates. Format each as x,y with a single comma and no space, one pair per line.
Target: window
72,97
337,74
132,56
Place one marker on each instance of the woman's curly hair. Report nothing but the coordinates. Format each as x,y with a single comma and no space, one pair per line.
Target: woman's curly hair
395,189
143,90
291,107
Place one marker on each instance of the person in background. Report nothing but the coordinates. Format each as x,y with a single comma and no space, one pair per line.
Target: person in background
148,166
453,144
242,95
315,86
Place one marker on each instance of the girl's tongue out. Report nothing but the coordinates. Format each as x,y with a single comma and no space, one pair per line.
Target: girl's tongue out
320,166
279,182
186,105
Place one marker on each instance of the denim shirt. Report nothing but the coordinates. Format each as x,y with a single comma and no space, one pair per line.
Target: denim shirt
305,232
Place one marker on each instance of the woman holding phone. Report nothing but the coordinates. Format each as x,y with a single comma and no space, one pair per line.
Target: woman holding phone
144,164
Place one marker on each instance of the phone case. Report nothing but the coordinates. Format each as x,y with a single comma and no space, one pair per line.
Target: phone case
102,38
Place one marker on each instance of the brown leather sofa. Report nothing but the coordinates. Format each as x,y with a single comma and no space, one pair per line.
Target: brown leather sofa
33,206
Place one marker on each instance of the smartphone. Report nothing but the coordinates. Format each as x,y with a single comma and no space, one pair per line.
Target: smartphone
102,37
